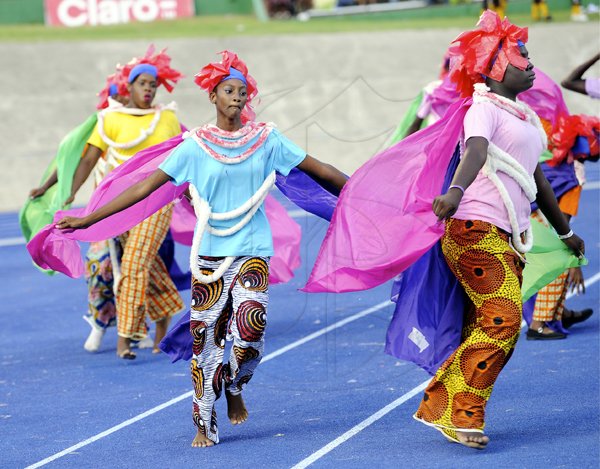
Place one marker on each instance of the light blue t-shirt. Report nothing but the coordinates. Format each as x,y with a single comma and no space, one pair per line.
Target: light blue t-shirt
227,186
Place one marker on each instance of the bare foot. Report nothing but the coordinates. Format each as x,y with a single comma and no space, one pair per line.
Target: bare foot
123,348
236,410
161,330
472,439
201,441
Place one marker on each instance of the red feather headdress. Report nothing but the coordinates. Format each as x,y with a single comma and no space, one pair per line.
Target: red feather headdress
212,74
166,76
486,50
116,79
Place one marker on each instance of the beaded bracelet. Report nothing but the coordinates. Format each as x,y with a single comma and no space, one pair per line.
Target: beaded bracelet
566,236
460,188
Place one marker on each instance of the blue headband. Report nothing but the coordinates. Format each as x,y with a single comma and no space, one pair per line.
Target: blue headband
142,68
113,89
235,74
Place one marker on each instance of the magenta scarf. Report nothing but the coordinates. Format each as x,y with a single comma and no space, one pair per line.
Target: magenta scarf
383,221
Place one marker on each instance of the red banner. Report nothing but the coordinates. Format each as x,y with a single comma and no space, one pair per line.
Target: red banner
73,13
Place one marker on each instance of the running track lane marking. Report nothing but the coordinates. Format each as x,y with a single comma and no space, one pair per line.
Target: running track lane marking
188,394
386,410
6,242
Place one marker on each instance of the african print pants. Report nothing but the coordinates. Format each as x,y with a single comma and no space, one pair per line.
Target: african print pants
480,256
146,286
102,312
232,308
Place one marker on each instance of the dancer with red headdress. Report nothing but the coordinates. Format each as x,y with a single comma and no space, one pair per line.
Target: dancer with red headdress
54,193
230,168
142,284
486,207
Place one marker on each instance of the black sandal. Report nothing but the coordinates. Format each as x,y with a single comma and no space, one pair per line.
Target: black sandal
538,334
576,316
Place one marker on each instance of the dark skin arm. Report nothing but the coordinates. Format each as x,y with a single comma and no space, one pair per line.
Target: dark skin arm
549,206
575,81
444,206
415,126
39,191
126,199
326,175
86,165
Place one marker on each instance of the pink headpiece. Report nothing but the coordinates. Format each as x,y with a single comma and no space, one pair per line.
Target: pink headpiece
486,50
213,73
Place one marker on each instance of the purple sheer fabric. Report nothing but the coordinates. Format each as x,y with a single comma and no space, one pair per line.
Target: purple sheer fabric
427,322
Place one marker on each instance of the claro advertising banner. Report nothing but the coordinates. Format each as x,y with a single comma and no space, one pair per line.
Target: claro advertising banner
73,13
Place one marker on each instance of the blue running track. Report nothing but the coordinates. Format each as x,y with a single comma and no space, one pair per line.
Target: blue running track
326,396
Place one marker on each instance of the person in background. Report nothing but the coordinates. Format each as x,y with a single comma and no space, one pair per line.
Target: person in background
575,81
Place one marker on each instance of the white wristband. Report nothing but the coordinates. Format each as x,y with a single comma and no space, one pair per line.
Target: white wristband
566,236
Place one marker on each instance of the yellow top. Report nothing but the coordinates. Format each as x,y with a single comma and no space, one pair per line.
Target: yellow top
123,128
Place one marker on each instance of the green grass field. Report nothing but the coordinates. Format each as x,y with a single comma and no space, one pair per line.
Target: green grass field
211,26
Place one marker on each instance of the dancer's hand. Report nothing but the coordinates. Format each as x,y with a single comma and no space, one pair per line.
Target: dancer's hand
575,244
73,223
444,206
69,200
575,280
37,192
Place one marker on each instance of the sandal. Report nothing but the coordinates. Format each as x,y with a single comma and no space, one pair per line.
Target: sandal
576,316
539,334
450,433
126,355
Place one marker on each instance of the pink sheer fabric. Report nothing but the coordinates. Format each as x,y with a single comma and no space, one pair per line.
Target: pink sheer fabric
383,221
545,98
58,250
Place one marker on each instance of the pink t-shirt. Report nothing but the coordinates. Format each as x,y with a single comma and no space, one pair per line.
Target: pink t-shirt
518,138
592,87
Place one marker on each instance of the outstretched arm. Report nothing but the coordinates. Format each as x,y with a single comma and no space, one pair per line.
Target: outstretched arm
444,206
549,206
415,126
126,199
575,81
86,164
39,191
326,175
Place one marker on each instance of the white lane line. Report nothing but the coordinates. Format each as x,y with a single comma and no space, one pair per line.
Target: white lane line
110,430
387,409
7,242
361,426
188,394
590,186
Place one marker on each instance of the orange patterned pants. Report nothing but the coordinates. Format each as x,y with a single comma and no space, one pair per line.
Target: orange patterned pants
145,286
490,273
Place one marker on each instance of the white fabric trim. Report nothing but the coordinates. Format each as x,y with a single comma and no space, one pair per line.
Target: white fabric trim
204,214
144,133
